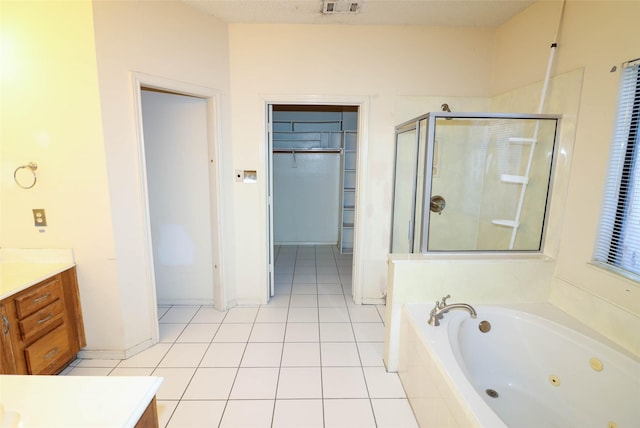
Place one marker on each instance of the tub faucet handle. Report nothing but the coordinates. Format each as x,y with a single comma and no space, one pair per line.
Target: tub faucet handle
444,301
435,315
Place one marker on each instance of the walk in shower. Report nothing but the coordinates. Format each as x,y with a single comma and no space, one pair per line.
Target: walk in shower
472,182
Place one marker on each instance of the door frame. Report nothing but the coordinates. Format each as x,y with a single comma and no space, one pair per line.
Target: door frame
359,237
214,137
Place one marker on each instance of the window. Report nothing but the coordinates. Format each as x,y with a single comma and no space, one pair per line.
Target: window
618,244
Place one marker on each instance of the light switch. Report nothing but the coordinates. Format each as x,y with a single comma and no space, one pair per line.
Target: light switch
39,217
250,176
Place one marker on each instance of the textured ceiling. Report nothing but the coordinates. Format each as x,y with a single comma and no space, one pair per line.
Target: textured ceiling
450,13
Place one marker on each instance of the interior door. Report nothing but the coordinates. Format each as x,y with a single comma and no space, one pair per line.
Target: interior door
270,252
177,170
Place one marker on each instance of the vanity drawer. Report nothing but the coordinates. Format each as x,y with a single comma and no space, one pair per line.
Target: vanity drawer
48,354
35,325
38,298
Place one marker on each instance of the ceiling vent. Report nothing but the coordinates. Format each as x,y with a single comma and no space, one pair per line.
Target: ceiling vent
340,6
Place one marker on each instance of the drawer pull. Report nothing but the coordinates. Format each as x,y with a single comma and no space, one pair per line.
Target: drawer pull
7,325
50,354
45,319
40,299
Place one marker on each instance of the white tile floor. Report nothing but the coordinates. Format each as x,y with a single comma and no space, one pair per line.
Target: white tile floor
310,358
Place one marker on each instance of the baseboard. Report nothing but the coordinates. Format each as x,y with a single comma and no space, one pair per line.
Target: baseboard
90,354
371,301
305,243
185,302
96,354
247,302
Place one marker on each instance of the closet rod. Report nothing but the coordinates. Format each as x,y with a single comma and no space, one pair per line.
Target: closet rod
303,151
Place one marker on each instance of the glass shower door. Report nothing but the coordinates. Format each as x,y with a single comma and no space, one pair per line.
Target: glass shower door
404,194
456,185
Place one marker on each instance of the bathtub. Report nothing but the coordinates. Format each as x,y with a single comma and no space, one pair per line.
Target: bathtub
530,370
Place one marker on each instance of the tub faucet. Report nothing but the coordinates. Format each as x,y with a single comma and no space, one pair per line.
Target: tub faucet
441,308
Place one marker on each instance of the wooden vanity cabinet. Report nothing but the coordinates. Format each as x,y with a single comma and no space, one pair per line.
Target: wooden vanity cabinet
42,326
7,359
149,418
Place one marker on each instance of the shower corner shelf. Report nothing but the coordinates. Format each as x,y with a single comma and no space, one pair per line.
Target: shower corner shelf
507,223
522,140
516,179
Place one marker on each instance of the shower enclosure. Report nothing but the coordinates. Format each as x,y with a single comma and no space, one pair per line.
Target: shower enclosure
472,182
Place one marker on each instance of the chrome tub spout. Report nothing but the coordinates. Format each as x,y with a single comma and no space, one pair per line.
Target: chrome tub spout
441,308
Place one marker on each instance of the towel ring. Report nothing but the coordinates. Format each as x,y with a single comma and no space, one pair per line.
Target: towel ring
32,166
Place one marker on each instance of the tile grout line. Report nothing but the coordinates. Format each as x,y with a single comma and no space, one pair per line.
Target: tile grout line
320,349
341,276
200,362
235,377
194,371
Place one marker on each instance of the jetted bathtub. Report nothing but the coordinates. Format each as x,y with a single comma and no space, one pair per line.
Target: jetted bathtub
522,371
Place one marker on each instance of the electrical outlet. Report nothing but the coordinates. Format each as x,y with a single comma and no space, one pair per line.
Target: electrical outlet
39,217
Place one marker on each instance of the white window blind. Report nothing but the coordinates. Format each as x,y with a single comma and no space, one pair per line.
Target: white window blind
618,244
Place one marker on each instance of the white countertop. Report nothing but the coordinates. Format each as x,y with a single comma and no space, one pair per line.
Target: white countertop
77,401
22,268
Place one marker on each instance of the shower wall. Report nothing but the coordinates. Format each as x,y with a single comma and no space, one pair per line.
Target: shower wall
487,278
491,172
500,199
472,188
563,98
458,176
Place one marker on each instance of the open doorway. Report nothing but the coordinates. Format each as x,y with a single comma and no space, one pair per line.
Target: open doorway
313,151
180,177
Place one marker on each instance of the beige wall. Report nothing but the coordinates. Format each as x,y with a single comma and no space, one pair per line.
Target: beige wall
595,35
66,71
171,41
51,115
376,62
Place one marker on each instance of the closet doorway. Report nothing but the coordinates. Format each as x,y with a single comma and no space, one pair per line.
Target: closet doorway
313,166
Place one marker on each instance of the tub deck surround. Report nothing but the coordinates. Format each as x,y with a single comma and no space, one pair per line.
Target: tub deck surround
22,268
469,278
78,401
536,366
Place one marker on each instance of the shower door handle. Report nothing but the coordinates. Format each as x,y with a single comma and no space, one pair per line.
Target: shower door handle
437,204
